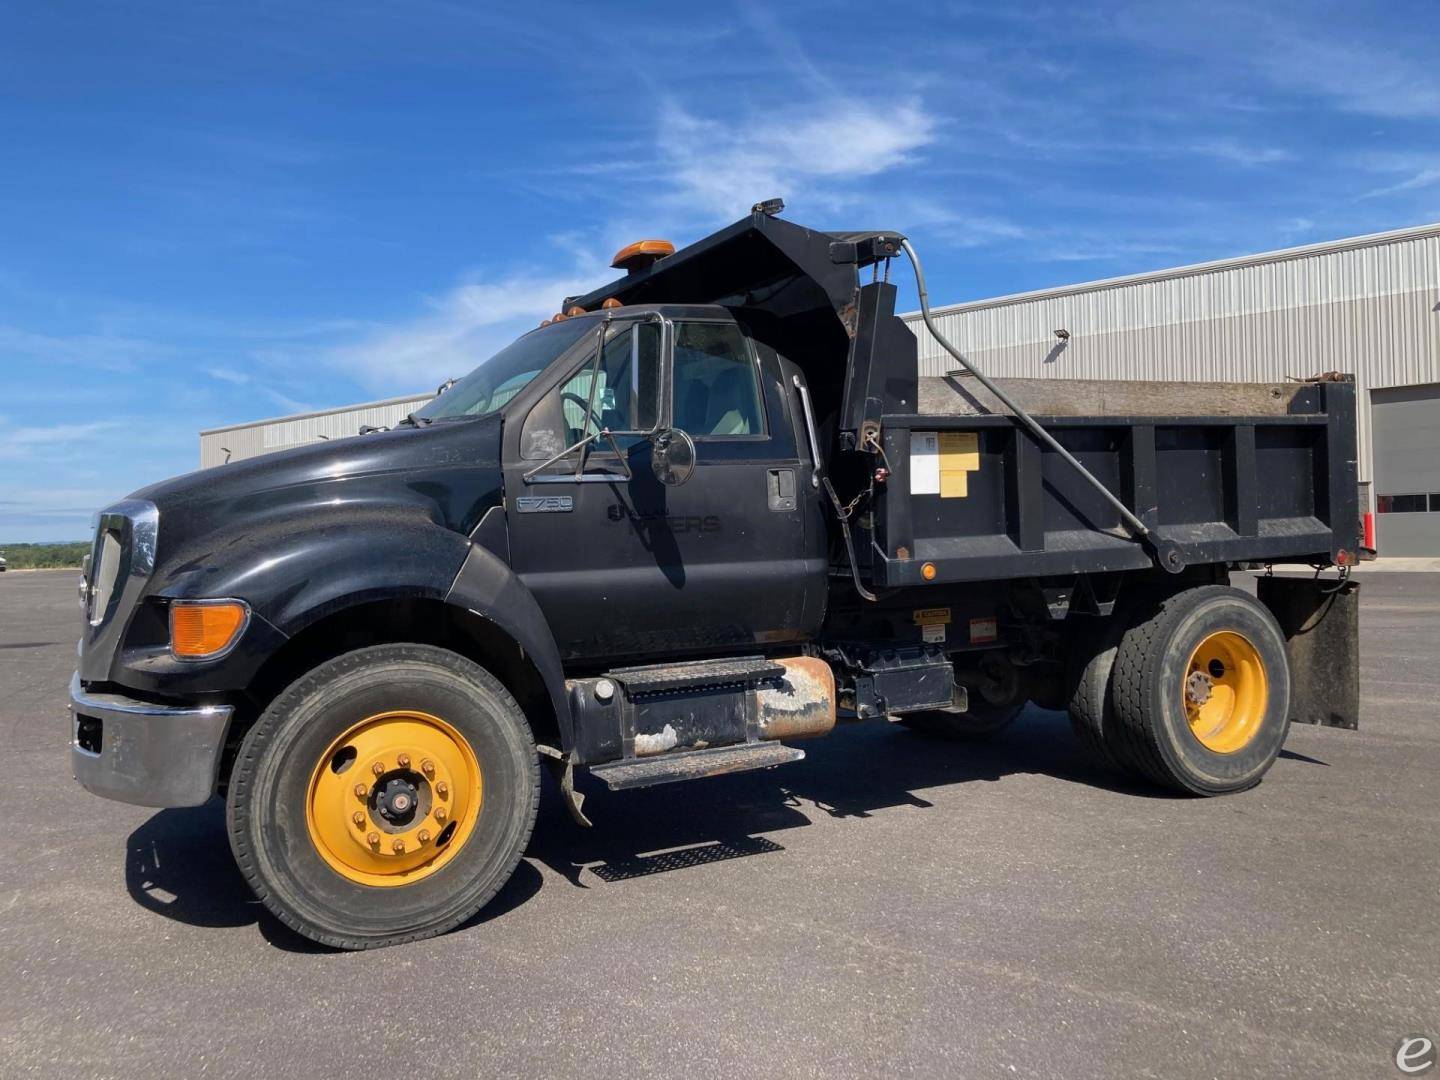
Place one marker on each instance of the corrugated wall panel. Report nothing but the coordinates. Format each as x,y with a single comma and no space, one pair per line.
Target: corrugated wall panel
264,436
1373,311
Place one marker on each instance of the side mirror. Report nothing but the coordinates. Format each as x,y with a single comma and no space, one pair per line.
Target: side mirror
673,456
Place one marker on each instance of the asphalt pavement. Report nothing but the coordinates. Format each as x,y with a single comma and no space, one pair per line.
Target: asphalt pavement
891,905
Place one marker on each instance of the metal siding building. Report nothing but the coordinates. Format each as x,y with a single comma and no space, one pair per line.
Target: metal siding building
1368,306
240,441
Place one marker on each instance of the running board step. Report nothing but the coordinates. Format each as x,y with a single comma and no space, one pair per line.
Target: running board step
693,764
655,678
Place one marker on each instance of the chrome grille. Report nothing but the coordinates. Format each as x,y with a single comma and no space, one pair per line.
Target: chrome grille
123,551
105,571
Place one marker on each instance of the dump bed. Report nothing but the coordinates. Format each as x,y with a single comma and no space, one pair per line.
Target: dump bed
1230,472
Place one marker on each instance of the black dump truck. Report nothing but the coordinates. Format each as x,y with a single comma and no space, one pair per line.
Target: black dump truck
706,511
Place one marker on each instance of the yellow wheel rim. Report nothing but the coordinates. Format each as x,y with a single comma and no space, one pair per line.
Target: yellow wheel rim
394,798
1225,692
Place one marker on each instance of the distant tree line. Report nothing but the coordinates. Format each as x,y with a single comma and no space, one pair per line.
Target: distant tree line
44,556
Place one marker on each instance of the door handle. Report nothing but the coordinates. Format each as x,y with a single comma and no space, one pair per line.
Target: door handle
780,489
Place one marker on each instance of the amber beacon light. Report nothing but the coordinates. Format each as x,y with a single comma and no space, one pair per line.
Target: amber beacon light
202,629
639,255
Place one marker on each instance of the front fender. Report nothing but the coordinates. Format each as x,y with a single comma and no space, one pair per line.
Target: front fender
292,578
488,587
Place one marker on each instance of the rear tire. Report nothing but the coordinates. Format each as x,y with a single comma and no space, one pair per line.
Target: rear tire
1089,708
1091,661
980,721
451,787
1201,692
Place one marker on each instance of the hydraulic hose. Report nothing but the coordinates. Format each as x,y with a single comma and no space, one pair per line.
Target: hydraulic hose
1168,553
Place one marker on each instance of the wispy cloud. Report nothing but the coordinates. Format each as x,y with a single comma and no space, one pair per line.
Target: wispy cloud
459,329
698,171
25,442
1233,150
1423,179
1336,57
229,375
105,352
722,166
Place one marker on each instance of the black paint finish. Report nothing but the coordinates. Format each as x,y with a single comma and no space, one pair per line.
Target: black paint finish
298,535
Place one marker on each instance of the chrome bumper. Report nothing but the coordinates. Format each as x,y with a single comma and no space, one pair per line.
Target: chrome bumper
139,752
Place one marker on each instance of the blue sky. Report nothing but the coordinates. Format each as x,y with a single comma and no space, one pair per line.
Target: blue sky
212,213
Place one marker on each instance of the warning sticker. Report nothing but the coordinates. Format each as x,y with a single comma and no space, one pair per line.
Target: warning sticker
982,630
932,615
924,463
959,457
933,633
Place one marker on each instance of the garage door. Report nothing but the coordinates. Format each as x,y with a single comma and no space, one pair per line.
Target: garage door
1405,421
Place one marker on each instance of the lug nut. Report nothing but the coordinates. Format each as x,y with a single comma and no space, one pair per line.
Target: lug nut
442,789
440,814
399,846
404,760
374,839
427,767
377,768
361,791
359,819
423,836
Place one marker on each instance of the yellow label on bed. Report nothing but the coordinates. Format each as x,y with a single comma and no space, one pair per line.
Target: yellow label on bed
959,457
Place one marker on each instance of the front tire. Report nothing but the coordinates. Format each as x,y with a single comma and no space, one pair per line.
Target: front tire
1201,692
384,797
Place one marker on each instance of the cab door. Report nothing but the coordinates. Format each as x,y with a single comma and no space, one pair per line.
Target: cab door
628,568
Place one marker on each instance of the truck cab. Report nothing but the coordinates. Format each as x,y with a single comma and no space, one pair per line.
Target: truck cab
703,512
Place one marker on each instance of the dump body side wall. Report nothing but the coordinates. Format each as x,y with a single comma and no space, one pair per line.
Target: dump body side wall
979,498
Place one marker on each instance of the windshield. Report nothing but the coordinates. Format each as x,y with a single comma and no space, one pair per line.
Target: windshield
505,374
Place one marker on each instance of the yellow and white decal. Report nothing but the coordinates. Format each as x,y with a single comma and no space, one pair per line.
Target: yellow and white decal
941,462
932,623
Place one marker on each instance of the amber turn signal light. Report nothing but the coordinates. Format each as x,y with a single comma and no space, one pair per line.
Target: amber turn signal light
203,628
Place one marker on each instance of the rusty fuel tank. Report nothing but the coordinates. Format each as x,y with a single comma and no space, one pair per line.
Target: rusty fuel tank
802,704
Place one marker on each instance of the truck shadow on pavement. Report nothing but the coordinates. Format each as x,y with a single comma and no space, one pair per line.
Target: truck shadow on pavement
855,772
178,863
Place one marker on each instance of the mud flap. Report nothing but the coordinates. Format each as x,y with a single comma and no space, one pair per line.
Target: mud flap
562,767
1321,624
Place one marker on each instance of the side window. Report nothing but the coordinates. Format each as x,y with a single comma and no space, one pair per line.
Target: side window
717,392
621,395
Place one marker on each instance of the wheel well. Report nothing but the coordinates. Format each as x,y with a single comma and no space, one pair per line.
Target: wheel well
426,621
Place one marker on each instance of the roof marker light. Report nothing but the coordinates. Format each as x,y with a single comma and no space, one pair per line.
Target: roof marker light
639,255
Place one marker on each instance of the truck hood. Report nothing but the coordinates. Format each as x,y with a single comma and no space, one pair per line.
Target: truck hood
448,473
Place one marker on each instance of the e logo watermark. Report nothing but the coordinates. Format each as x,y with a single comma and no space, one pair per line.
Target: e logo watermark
1415,1055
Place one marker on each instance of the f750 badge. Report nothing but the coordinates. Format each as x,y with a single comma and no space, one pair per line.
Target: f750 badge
544,504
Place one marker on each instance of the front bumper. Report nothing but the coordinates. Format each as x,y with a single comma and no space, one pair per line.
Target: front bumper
139,752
